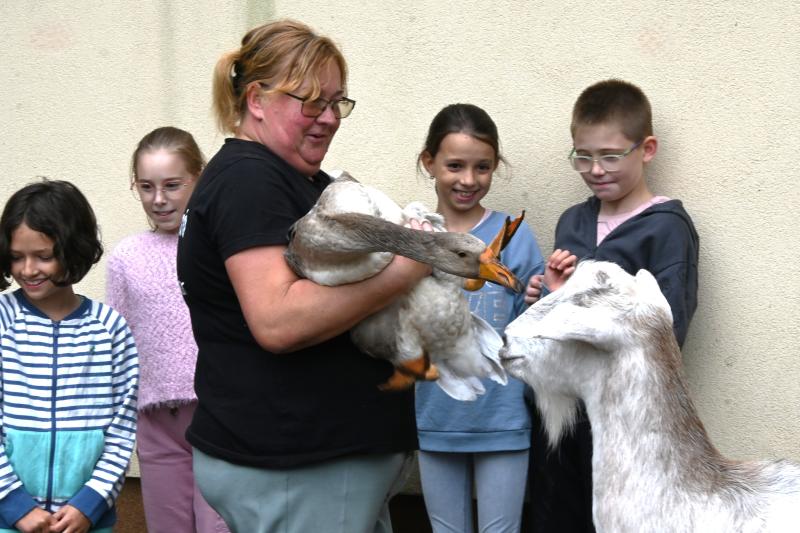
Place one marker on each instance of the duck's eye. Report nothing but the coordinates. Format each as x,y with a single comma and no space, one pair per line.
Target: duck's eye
462,254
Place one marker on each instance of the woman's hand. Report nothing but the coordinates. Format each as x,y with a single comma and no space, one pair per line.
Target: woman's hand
423,225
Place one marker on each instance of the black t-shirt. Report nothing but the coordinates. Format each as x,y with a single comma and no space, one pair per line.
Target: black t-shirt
255,407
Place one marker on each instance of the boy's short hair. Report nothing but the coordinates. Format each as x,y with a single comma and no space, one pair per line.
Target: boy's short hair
616,101
59,210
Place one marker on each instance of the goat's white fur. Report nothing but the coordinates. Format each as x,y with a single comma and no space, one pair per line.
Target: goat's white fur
606,338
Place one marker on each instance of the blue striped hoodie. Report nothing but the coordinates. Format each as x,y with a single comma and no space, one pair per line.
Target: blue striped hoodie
68,399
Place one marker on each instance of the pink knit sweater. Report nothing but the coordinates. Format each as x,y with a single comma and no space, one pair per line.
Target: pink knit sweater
142,284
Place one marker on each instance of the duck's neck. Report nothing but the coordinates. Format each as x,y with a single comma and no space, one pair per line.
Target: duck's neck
367,234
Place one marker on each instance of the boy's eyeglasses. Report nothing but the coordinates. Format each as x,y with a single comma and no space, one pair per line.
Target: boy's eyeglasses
341,107
144,190
608,162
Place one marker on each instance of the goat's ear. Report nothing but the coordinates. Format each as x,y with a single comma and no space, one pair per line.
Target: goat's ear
646,284
593,326
649,292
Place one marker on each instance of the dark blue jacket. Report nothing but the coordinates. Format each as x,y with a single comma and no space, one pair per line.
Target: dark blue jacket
661,239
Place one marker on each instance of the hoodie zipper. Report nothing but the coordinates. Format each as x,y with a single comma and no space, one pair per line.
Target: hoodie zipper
51,469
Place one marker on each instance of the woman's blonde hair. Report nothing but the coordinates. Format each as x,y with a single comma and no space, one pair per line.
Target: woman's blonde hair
285,54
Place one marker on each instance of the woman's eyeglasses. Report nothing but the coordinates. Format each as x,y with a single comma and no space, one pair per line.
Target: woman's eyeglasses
341,107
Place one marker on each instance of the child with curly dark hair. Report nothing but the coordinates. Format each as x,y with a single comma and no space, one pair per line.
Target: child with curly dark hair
68,367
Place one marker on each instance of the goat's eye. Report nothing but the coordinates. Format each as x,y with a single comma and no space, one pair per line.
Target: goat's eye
591,296
582,300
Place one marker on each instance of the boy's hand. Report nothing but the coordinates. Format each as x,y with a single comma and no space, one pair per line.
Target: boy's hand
560,266
534,289
36,521
69,519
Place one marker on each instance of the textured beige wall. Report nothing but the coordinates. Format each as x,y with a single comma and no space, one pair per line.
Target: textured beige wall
82,82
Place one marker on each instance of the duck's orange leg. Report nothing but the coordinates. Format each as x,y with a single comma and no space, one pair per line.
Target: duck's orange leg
408,372
432,374
397,382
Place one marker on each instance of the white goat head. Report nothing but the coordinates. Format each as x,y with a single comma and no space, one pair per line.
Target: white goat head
576,337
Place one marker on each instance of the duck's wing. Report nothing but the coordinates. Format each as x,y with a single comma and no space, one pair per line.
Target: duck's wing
433,324
490,343
466,359
375,335
462,388
476,356
435,320
387,335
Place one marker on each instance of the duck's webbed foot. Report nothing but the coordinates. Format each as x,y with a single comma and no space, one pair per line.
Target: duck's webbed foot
397,382
409,372
432,374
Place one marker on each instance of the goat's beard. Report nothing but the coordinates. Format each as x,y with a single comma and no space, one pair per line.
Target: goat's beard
531,361
558,412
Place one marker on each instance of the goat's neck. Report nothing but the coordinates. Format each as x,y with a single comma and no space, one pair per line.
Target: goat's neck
646,435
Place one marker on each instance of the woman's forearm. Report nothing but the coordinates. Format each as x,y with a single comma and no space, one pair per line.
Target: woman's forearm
286,313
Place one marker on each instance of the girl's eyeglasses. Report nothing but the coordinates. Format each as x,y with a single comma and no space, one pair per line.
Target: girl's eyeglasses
144,190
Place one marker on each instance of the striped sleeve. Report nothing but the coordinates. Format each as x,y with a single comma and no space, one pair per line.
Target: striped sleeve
15,502
102,489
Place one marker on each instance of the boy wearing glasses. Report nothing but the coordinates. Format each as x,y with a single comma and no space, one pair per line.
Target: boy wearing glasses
623,222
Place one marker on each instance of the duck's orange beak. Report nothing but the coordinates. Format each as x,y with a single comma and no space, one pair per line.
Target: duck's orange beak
491,269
